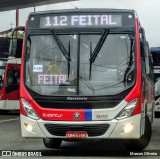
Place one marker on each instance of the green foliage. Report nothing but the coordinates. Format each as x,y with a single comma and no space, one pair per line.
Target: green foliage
20,35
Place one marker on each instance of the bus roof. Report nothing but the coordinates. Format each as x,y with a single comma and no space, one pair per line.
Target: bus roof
83,18
84,10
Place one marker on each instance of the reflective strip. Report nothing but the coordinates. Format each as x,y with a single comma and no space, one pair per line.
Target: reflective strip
88,114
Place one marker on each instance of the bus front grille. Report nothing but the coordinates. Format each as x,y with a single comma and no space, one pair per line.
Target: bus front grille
91,129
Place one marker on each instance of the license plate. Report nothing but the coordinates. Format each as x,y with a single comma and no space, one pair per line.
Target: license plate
76,134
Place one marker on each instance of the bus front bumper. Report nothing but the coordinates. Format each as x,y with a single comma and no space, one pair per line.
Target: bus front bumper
36,128
9,105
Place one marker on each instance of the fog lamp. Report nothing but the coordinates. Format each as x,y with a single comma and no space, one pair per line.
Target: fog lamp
28,127
127,128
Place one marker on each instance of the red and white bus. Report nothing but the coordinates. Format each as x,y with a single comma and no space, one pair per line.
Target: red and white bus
86,74
9,76
9,84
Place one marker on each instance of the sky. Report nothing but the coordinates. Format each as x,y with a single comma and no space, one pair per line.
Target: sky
148,12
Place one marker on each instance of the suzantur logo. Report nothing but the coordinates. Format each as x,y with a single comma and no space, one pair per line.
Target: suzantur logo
52,115
76,98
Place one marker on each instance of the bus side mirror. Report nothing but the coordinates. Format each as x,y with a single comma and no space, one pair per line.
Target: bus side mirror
145,54
142,31
142,48
146,48
13,47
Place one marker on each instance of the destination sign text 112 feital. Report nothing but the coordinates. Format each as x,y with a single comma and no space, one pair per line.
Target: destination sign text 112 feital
80,20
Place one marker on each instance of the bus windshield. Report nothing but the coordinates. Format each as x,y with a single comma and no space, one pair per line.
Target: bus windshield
2,72
157,85
80,63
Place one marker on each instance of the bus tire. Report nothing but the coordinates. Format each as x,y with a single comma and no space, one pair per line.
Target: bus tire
52,143
143,141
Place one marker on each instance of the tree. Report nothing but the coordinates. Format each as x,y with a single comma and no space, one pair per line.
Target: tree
20,35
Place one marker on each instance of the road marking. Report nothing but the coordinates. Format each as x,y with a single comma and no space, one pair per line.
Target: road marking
8,120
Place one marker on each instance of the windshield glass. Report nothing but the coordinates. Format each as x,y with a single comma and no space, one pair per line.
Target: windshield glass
49,72
157,84
2,72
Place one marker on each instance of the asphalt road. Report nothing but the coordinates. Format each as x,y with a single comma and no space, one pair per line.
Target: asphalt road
10,139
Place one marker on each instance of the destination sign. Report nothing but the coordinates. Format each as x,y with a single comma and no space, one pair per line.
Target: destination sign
54,79
82,20
156,70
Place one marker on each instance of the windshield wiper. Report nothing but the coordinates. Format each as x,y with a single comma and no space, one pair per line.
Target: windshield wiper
69,51
63,50
61,46
97,49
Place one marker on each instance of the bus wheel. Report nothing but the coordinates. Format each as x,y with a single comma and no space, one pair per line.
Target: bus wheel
142,143
52,143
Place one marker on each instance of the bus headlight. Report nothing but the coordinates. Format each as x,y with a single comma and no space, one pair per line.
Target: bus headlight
128,110
29,110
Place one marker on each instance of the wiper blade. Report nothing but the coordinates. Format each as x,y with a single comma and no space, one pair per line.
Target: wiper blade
97,50
99,46
69,51
61,46
90,67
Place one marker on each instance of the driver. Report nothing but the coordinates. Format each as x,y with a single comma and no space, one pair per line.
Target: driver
55,67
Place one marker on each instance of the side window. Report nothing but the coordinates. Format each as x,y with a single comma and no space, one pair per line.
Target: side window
13,78
13,81
17,75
